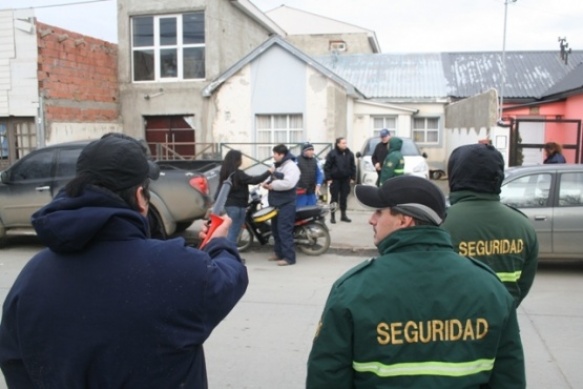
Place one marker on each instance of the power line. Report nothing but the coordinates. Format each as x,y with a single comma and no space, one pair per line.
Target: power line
63,4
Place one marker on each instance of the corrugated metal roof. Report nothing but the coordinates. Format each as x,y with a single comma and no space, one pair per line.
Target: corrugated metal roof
392,76
570,82
528,73
438,76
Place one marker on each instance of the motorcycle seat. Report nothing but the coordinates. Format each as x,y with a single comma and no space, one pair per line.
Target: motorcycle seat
307,211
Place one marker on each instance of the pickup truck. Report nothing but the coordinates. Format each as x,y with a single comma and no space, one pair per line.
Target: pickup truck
178,196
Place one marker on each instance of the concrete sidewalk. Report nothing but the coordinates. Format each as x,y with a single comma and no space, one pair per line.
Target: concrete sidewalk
357,236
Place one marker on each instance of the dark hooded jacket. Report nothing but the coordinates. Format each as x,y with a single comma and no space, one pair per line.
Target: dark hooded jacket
106,307
340,165
394,163
483,228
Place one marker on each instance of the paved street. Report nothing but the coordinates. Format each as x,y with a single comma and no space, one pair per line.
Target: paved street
265,341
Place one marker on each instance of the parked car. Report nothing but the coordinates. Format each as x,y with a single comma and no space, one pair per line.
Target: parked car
551,196
178,196
415,163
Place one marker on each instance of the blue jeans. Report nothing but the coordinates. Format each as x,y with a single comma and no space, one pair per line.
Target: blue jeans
237,214
306,199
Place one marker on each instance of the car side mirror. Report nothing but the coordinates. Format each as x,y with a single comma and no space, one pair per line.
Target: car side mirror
424,155
358,154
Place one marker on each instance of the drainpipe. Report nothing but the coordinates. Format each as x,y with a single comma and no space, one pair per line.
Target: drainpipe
40,125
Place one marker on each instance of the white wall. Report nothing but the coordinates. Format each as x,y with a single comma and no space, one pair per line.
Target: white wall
18,64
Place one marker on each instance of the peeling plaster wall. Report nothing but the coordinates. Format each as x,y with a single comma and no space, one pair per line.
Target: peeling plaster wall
233,122
320,128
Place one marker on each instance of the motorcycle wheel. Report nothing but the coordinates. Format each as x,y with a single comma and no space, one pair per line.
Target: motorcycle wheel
245,239
318,236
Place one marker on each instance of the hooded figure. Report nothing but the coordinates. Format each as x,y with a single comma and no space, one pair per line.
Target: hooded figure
481,226
394,163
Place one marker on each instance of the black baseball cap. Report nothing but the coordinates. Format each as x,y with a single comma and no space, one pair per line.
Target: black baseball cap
116,163
409,195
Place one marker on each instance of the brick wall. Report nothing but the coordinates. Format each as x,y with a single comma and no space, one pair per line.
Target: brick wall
77,76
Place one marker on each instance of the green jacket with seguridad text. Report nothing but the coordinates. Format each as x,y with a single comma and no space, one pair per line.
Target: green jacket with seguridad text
418,316
502,237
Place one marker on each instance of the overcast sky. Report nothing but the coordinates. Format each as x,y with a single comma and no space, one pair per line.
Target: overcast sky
401,26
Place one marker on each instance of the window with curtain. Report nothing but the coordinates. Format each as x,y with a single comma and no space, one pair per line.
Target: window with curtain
168,47
380,122
426,130
271,130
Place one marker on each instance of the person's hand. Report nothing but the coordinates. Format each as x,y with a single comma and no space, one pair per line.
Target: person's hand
220,232
377,166
266,186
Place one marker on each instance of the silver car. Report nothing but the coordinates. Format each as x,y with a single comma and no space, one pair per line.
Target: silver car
551,196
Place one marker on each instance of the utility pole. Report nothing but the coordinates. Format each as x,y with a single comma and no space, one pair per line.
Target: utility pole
501,104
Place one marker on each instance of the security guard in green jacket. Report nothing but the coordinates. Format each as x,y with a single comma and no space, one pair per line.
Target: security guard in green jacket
483,228
420,315
394,163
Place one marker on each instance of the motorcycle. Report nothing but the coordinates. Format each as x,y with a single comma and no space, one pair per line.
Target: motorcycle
311,235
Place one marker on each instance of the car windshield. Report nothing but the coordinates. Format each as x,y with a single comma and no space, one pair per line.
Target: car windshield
409,147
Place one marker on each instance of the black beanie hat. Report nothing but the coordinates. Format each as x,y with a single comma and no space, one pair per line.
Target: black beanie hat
307,146
476,167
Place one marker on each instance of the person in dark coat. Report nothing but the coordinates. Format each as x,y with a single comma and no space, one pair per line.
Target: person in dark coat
104,306
339,173
553,153
238,198
380,152
311,177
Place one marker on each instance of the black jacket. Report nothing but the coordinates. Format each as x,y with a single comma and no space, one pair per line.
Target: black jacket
380,152
340,165
239,194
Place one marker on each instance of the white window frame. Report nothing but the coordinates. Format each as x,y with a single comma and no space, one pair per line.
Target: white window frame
269,132
425,130
388,121
157,48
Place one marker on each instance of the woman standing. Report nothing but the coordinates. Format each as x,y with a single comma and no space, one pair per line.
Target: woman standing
553,153
238,198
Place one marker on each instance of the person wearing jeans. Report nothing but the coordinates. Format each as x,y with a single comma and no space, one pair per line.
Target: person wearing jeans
236,205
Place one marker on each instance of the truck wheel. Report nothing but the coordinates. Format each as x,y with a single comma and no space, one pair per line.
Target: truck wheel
3,238
245,238
157,230
437,174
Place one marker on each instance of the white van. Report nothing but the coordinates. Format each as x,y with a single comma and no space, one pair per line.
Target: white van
415,163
